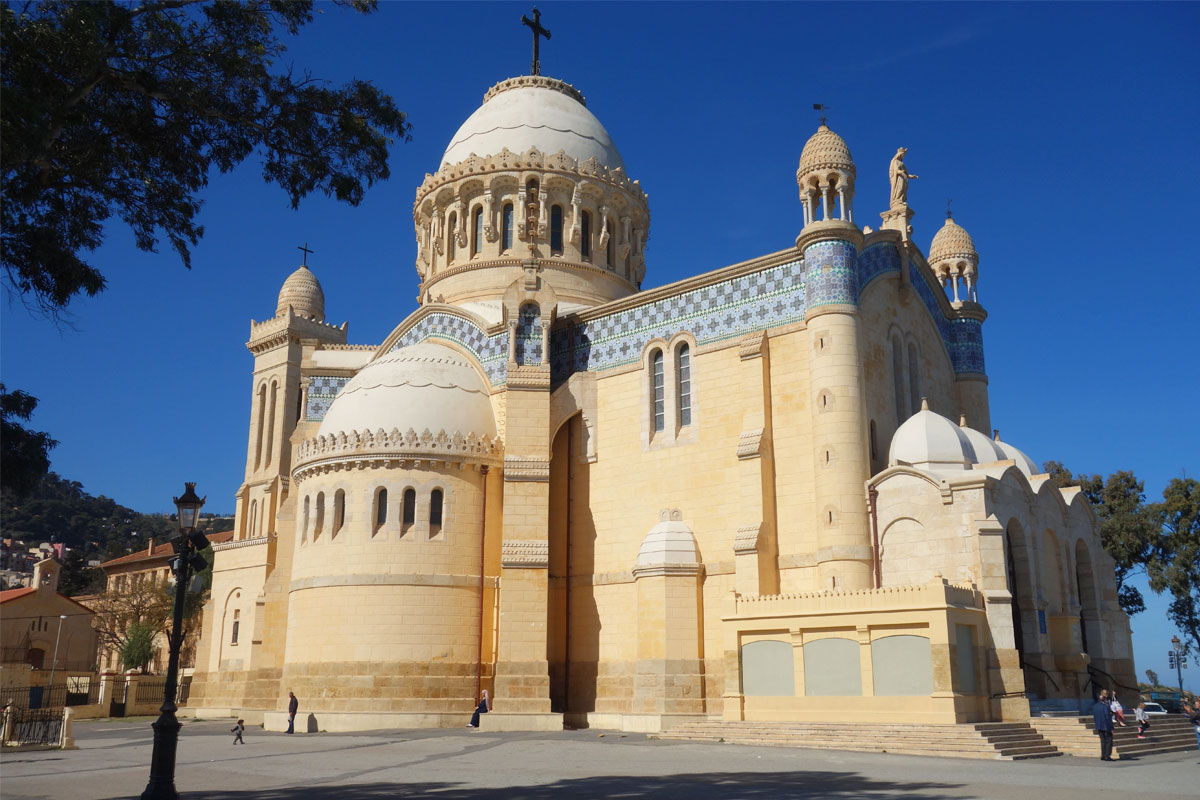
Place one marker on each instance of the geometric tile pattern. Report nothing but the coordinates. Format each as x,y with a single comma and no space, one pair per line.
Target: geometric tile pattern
831,274
963,337
732,308
321,391
876,260
490,351
529,335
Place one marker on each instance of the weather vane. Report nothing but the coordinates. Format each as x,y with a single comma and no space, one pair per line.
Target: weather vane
948,215
535,25
304,249
822,108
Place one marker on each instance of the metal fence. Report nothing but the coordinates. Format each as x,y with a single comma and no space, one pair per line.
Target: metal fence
79,691
149,690
34,726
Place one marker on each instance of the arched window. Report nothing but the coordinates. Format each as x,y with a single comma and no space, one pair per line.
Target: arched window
319,524
477,238
683,384
380,509
252,523
506,227
898,379
435,513
658,399
612,248
408,511
914,378
305,520
270,432
339,512
585,230
262,418
556,230
450,237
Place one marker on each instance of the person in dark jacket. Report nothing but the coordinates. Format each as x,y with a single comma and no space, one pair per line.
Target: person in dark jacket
1193,715
1102,714
485,705
293,706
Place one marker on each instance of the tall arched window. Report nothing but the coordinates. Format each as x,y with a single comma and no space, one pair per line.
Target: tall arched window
683,384
339,512
380,509
252,523
408,511
477,227
270,432
450,236
898,379
585,231
658,399
435,513
262,418
556,230
914,378
506,227
319,523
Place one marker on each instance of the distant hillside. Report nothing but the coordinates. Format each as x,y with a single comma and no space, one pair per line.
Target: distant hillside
59,510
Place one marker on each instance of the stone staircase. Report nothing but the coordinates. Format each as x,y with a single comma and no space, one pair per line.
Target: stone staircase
1077,736
1007,741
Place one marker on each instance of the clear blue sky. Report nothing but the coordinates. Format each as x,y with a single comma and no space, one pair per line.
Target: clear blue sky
1065,134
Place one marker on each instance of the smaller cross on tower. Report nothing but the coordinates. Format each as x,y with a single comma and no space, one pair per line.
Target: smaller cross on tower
535,25
304,249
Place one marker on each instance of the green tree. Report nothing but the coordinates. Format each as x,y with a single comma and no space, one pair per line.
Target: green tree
1175,567
124,108
77,577
138,649
24,453
1152,676
1128,529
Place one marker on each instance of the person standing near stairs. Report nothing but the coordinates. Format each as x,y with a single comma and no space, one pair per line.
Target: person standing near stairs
1193,715
1103,716
1143,721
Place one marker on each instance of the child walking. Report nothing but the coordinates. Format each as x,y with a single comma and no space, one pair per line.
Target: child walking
1143,721
237,730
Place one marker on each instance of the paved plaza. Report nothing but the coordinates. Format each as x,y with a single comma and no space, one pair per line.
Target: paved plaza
114,756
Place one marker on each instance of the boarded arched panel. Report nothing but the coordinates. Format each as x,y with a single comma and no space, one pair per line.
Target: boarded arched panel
767,669
902,665
831,668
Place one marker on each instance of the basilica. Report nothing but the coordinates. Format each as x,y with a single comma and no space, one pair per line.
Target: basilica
767,492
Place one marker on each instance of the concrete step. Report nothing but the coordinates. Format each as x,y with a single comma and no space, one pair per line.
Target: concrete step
1077,736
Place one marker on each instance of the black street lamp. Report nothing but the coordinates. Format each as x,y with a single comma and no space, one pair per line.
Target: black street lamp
166,730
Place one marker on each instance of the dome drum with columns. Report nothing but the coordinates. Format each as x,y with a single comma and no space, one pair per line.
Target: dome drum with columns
739,497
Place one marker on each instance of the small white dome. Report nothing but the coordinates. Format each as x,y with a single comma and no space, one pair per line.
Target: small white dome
422,386
303,293
986,451
930,441
533,111
1024,462
669,542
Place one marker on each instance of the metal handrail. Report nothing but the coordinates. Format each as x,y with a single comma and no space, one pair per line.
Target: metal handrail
1025,663
1093,670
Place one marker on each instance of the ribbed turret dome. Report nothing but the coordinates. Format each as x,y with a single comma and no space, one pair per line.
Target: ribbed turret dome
952,243
534,111
302,291
825,150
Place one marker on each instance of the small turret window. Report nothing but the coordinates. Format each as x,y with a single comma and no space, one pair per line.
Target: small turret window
585,230
556,230
477,238
435,513
506,238
319,524
408,511
339,511
304,520
450,233
380,510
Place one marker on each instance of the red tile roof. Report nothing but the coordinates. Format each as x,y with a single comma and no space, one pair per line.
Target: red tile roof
13,594
161,551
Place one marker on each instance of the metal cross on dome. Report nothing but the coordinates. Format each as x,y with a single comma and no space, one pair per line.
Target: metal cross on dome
304,249
535,25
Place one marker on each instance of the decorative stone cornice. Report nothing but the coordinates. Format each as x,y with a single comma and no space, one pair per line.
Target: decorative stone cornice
272,333
666,570
752,345
526,468
525,554
746,540
342,450
824,230
750,444
536,82
240,543
528,377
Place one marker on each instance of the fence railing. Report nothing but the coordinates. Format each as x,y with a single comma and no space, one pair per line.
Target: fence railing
75,692
34,726
149,690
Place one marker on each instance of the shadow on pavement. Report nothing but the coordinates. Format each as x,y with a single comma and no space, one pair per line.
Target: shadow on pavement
712,785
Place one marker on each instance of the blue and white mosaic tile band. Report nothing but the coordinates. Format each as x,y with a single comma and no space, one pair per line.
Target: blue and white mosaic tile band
322,389
490,351
963,337
529,335
831,274
878,259
725,310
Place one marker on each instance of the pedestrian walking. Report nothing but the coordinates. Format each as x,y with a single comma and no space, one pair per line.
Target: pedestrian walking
1143,720
237,731
1102,714
293,707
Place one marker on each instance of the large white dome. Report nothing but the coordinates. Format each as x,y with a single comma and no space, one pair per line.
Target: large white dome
533,111
422,386
930,441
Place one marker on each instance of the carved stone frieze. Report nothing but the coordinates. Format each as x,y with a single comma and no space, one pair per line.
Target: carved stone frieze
526,468
528,376
752,345
750,444
525,554
746,540
342,450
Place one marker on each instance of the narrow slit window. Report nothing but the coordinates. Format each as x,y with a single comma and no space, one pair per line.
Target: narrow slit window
683,377
408,511
435,513
319,525
339,511
450,234
380,510
556,230
236,624
506,238
585,232
658,394
304,521
477,239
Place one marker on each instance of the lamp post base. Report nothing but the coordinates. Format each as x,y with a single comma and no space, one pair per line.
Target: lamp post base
162,762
